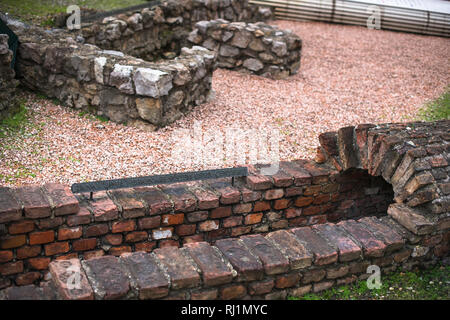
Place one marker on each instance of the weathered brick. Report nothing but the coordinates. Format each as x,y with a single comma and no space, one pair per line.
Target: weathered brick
82,217
298,255
236,291
172,219
145,246
228,194
258,182
242,208
282,179
317,219
312,190
185,229
232,221
10,268
183,200
84,244
41,237
323,253
314,275
260,287
96,230
136,236
162,233
107,276
6,255
248,267
214,269
410,219
261,206
221,212
206,199
104,209
69,233
64,274
169,243
10,208
280,224
253,218
56,248
92,254
182,273
273,194
300,175
149,222
250,195
303,201
197,216
123,226
148,278
38,263
337,272
287,281
156,201
209,294
238,231
50,223
27,278
9,242
28,252
128,202
348,249
113,239
372,247
117,251
317,287
61,198
208,225
21,227
35,203
387,234
281,204
272,259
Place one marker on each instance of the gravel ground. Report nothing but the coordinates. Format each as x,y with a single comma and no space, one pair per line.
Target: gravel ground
349,75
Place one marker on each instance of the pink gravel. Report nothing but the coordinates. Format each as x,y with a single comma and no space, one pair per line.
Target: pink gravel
349,75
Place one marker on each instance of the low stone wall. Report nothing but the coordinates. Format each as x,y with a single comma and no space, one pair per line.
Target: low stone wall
40,224
256,48
123,88
8,84
161,31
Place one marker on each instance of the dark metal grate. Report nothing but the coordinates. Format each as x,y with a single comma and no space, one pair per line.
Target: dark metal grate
159,179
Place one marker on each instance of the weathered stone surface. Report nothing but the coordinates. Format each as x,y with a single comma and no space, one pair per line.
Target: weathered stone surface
146,276
149,109
271,257
61,198
214,269
107,277
286,242
384,232
70,280
323,253
248,266
372,247
410,219
181,271
10,208
35,203
348,249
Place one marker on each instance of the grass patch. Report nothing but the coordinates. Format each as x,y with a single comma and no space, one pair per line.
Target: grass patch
429,284
438,109
15,122
39,11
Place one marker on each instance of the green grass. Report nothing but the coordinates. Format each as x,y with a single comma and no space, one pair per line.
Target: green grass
438,109
14,122
40,11
430,284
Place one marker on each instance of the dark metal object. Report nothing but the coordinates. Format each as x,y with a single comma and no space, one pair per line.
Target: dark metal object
119,11
13,41
159,179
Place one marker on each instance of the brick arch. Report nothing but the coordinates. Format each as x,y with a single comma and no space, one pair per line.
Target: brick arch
412,157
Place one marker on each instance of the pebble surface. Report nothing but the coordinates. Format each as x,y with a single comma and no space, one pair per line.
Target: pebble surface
348,75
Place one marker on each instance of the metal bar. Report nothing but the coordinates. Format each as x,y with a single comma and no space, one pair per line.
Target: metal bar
158,179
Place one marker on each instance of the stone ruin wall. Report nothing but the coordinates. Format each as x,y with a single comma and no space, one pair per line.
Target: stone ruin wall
8,84
306,228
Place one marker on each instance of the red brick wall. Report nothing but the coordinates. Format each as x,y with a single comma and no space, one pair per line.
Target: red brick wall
45,223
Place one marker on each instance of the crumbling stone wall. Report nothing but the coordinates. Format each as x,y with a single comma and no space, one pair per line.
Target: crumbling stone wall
161,31
256,48
8,83
123,88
